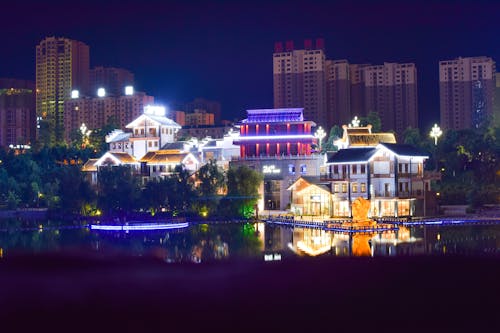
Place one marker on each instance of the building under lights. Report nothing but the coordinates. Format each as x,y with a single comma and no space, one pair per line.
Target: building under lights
278,143
367,165
61,65
141,147
101,109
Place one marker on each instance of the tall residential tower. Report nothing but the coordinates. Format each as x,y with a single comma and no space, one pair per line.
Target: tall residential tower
299,79
62,65
466,89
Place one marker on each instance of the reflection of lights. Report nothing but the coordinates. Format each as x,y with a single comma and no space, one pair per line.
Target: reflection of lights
272,257
146,226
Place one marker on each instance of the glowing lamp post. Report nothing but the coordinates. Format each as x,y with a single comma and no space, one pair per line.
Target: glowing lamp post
320,134
355,122
435,133
85,135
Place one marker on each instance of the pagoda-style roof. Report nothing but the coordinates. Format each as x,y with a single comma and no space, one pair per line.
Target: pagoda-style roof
370,139
275,116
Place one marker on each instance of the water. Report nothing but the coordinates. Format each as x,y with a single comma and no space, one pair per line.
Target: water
218,241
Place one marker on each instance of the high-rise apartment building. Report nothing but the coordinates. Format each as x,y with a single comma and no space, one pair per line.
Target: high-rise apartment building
338,91
466,88
114,80
62,65
212,107
96,112
391,91
299,79
17,112
332,92
357,93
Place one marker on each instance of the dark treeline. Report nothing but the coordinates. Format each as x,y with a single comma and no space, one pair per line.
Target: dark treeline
52,178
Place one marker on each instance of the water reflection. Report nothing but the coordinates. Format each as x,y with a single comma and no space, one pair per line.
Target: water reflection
206,242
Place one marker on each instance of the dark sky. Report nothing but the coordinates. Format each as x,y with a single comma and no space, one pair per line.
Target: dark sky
222,50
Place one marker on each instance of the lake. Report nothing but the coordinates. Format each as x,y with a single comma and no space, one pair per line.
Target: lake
203,242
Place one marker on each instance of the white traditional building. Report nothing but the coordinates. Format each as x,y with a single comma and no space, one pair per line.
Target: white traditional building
149,132
368,165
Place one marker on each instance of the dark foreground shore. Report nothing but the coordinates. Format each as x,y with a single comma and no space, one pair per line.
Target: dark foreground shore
73,292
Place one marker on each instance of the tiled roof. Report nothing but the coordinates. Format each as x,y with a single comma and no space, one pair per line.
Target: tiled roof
351,155
179,145
125,158
162,157
370,139
404,150
90,165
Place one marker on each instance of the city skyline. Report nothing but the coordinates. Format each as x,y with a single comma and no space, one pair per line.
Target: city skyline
223,51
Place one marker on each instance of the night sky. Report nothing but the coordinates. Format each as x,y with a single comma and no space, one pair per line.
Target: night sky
222,50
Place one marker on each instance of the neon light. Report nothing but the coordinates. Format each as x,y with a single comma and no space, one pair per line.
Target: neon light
147,226
155,110
275,137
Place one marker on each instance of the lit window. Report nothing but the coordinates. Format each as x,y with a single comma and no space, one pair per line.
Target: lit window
355,187
291,169
344,187
363,187
303,169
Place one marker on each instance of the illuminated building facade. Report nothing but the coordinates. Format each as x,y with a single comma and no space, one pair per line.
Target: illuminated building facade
466,91
299,79
277,142
62,65
368,165
96,112
17,112
212,107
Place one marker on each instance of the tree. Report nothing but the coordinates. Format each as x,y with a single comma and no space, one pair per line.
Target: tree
119,189
372,118
335,134
211,181
182,193
242,190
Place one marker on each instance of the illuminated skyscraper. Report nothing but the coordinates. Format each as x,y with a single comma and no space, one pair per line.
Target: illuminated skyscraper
466,89
62,65
299,79
17,112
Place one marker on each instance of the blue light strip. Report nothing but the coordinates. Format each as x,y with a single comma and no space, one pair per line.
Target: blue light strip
138,227
441,221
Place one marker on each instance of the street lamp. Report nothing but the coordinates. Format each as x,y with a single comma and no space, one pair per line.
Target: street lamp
85,134
435,133
320,134
355,122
